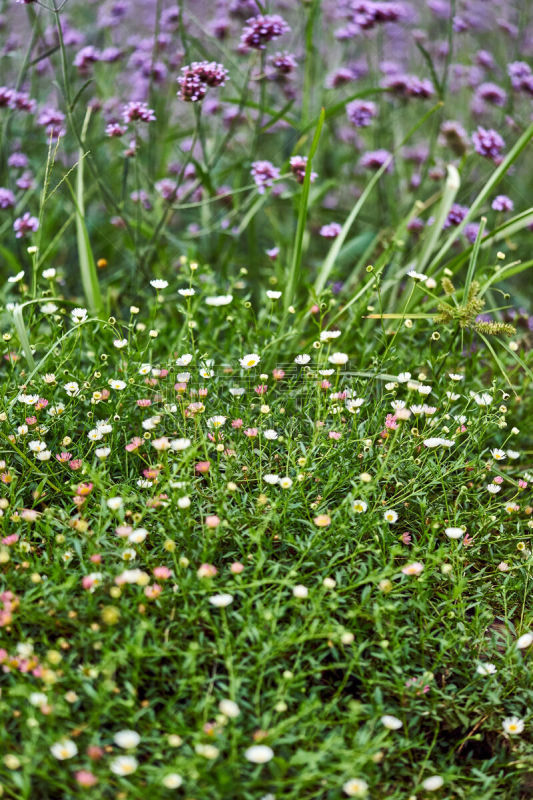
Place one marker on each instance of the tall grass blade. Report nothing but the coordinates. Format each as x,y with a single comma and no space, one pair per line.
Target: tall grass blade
474,257
488,188
88,272
22,333
451,187
334,250
294,273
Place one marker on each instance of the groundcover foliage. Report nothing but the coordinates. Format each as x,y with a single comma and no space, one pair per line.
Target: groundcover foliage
265,404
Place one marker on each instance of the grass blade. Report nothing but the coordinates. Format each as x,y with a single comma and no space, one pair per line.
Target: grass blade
294,273
493,181
22,333
453,183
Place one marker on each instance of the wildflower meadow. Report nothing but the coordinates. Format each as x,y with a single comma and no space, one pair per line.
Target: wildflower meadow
265,399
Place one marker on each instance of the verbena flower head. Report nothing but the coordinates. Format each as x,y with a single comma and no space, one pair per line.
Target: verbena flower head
488,143
264,174
197,77
298,167
25,224
135,111
261,30
361,112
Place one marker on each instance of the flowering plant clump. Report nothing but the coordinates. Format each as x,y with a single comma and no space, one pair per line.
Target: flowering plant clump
265,419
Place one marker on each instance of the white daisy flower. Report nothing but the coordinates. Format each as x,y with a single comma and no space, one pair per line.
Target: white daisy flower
221,600
355,787
127,739
79,315
158,284
486,669
433,783
250,360
391,722
259,754
184,361
229,708
513,725
219,300
123,765
64,749
338,359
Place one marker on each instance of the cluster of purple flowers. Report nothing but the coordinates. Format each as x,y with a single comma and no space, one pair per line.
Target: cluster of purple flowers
492,93
502,203
7,198
261,30
366,14
298,167
25,224
90,55
488,143
456,215
283,63
197,77
330,231
17,101
53,121
520,75
375,159
408,85
135,111
361,113
264,174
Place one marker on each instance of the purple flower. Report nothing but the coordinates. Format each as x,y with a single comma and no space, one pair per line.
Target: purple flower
471,231
6,96
298,167
262,29
488,143
415,225
375,159
361,112
367,14
340,77
24,224
85,58
137,111
26,180
115,129
142,198
409,86
7,198
17,160
21,101
492,93
502,203
485,59
264,174
456,215
170,18
110,54
198,76
167,188
517,71
330,231
284,63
